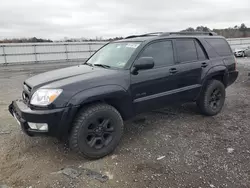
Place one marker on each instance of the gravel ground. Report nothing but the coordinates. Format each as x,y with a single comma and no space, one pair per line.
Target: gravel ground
172,147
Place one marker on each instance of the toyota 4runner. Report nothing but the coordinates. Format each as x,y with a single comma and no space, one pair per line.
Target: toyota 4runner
87,104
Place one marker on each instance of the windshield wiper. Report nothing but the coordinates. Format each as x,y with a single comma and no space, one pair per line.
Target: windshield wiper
89,64
102,65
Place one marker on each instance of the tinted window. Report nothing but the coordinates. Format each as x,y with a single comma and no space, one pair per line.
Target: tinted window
186,50
200,52
162,53
220,46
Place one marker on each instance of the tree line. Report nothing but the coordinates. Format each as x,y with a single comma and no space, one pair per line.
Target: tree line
25,40
231,32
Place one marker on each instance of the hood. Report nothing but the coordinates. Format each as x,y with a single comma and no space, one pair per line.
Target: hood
56,75
78,78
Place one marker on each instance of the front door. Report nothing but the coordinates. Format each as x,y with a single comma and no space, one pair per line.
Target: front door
149,88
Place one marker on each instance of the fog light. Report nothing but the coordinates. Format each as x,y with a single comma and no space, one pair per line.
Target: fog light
32,125
38,126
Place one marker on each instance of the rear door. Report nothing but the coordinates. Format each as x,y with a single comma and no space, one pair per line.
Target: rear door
191,62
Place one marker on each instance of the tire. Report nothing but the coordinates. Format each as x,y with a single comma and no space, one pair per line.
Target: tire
212,98
243,54
96,131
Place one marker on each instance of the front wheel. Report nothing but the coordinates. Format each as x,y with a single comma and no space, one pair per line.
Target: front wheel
212,98
96,131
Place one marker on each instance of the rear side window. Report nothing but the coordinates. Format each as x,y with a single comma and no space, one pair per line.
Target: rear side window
161,52
220,46
186,50
200,52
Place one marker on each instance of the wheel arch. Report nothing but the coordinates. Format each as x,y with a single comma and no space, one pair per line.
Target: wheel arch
219,73
113,95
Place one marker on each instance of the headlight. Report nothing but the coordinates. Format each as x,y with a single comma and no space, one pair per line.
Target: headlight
44,97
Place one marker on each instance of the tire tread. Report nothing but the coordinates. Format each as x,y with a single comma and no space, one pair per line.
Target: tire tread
77,124
202,100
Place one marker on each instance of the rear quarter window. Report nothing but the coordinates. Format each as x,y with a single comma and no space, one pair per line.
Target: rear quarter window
220,45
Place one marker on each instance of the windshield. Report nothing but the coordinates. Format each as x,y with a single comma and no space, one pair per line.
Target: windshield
114,55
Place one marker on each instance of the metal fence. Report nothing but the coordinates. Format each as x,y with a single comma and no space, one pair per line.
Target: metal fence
239,42
63,52
47,52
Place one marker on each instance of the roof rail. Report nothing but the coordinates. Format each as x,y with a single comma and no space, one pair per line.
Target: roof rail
189,33
145,35
173,33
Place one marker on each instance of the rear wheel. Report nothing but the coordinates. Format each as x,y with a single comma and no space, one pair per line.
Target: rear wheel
96,131
212,98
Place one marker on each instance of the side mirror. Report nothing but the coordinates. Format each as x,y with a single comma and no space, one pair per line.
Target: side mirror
143,63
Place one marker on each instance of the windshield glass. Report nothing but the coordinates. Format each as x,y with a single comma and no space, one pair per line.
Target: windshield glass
114,55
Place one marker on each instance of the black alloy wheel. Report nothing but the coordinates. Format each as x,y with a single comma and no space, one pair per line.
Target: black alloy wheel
100,133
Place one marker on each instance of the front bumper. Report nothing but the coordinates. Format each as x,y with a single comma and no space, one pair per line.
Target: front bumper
238,54
58,120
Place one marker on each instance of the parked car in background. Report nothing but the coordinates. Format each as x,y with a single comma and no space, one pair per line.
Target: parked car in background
242,52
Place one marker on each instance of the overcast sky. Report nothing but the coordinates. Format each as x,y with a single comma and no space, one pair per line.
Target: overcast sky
56,19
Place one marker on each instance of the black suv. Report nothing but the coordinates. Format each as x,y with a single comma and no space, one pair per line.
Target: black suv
87,104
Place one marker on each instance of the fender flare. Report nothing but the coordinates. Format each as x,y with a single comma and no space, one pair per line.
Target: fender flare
216,71
98,93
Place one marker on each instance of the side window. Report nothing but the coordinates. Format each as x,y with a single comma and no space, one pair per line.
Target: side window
200,52
220,46
162,53
186,50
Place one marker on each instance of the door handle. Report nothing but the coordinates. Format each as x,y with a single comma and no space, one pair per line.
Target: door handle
204,65
173,70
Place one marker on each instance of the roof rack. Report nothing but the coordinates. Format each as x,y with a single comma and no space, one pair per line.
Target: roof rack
189,33
172,33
